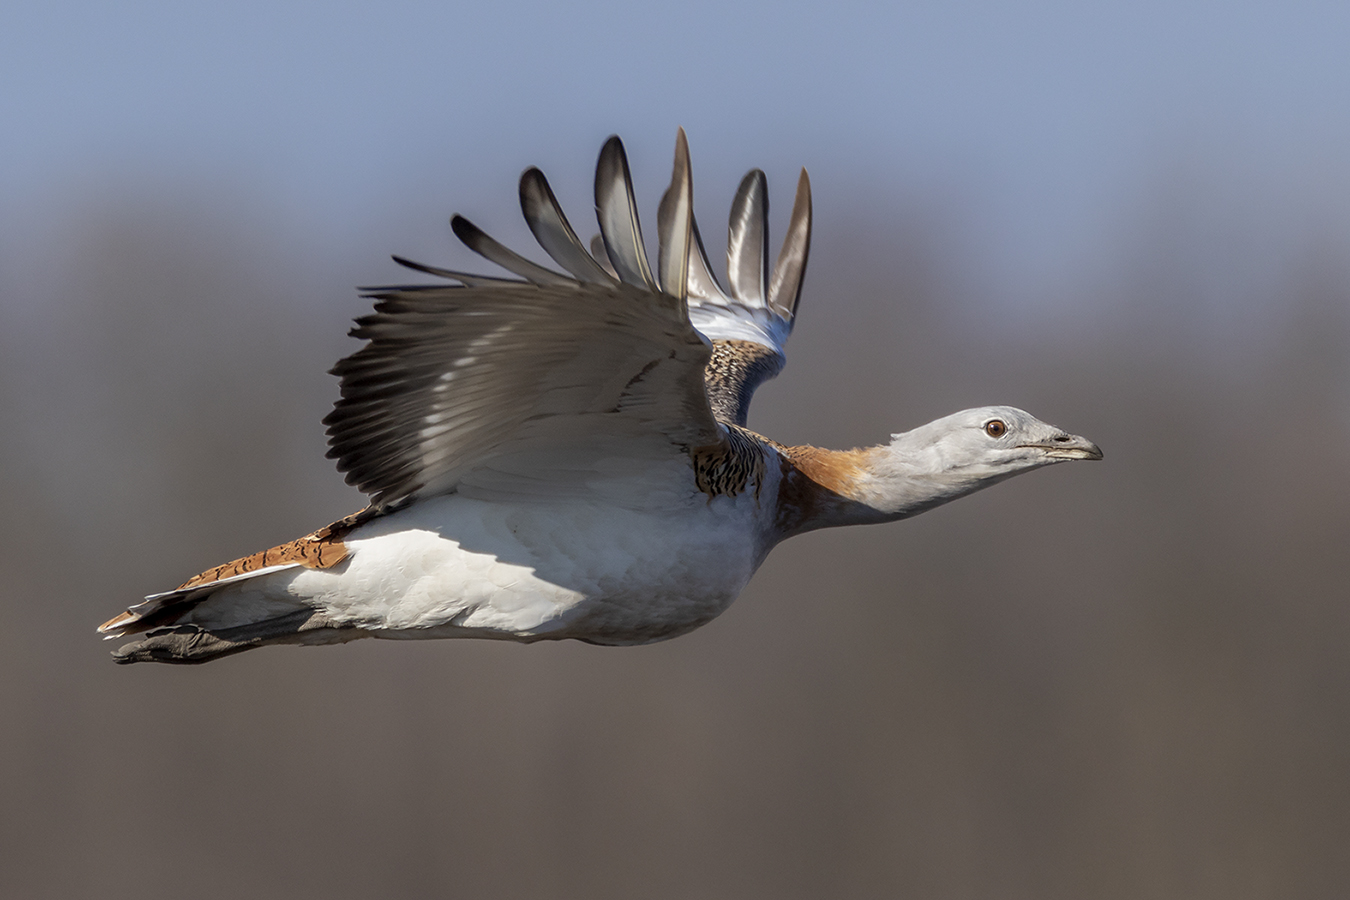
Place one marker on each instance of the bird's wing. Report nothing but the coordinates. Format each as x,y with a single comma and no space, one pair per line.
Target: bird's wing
748,324
533,387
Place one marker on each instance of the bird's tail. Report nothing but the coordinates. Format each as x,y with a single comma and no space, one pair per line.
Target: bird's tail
204,621
191,643
237,606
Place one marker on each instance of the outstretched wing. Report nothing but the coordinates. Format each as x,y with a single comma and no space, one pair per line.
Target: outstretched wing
533,386
750,323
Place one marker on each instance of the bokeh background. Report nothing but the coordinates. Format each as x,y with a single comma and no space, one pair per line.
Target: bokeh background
1120,680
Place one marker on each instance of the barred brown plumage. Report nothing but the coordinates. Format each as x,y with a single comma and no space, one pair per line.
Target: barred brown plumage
736,369
728,468
317,550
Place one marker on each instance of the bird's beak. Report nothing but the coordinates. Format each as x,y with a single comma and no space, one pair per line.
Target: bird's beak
1068,446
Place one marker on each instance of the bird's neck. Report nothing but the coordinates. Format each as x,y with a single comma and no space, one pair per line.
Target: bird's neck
826,488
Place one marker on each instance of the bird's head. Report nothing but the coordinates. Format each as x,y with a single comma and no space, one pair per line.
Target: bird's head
963,452
994,440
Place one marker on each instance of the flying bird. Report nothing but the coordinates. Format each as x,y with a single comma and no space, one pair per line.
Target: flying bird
565,454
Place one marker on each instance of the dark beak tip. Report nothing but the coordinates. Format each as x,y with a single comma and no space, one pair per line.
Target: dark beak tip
1091,452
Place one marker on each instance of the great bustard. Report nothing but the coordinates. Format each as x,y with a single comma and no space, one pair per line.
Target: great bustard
565,455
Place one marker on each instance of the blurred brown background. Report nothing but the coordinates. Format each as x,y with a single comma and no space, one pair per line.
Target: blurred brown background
1127,679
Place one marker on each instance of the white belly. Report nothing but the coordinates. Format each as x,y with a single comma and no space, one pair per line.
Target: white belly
453,566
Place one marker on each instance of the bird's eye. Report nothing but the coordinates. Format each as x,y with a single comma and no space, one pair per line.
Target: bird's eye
995,428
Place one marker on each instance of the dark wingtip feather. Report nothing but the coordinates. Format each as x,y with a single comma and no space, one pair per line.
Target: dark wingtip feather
462,277
616,209
465,230
551,229
479,242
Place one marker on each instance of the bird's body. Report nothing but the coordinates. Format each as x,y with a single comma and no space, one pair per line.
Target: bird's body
565,457
456,566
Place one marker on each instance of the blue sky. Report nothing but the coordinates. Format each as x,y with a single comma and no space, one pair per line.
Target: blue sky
1040,124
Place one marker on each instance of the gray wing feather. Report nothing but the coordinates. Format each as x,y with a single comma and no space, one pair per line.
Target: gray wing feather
616,209
462,277
702,280
601,256
748,239
674,222
786,287
552,230
478,241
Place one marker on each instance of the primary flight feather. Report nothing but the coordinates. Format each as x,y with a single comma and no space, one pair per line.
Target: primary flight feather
564,454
